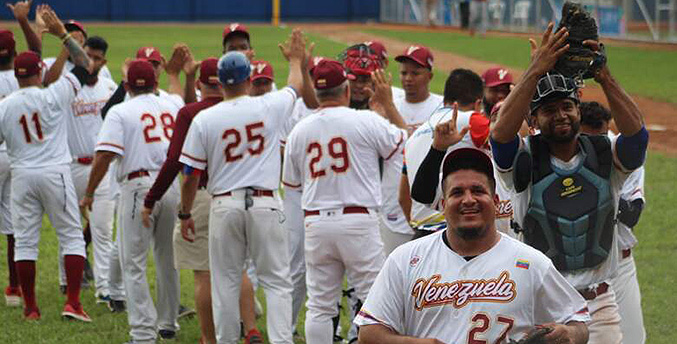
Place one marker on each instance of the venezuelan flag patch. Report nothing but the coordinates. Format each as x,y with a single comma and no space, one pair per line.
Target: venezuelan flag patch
521,263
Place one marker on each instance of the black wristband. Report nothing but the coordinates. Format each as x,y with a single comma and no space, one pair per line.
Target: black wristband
184,216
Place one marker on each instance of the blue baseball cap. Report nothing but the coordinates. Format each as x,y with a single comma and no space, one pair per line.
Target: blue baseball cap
234,68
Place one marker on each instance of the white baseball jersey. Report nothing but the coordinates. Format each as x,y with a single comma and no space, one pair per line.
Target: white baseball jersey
171,97
84,117
104,72
8,84
397,92
333,155
414,114
300,112
426,290
633,189
603,272
139,130
417,148
240,138
32,124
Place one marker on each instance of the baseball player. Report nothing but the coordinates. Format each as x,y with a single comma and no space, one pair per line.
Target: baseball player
415,107
137,132
595,120
382,54
262,78
9,84
236,38
238,141
83,122
491,287
333,155
497,85
54,70
424,154
34,130
584,176
191,252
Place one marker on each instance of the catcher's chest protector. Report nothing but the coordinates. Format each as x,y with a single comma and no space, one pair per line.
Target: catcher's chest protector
570,217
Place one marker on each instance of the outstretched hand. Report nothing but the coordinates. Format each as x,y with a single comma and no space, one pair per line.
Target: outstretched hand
52,22
21,9
383,93
178,59
446,133
544,57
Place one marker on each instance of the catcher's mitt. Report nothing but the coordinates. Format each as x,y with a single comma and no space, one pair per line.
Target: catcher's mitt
579,62
535,336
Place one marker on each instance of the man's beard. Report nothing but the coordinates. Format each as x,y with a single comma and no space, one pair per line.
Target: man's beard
551,137
470,233
359,104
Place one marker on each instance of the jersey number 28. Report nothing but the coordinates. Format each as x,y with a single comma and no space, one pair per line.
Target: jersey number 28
338,150
166,121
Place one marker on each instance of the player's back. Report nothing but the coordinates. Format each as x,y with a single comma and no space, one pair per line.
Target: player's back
147,124
241,139
8,83
33,125
337,150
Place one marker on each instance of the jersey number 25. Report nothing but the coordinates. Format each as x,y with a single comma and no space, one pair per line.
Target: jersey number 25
338,150
234,139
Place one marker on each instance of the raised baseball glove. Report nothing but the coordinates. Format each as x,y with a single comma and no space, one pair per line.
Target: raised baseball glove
535,336
579,62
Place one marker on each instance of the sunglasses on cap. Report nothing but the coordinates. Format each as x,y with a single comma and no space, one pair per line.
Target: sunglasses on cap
551,83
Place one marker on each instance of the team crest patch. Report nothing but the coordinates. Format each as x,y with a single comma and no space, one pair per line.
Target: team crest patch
414,261
521,263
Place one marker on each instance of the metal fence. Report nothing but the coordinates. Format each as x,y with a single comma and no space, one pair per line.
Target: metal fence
653,20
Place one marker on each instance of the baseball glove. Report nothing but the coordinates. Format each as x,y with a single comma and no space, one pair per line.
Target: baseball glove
579,62
535,336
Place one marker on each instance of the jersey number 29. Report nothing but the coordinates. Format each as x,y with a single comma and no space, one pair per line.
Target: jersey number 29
338,150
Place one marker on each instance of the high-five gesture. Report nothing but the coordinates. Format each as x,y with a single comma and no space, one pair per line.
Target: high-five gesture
56,28
544,57
21,9
447,133
52,23
294,47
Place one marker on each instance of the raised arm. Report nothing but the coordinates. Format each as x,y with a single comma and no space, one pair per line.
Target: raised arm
190,68
173,69
383,99
56,28
54,71
294,49
20,11
543,59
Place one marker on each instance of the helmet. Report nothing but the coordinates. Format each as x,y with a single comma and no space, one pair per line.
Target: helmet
234,68
553,86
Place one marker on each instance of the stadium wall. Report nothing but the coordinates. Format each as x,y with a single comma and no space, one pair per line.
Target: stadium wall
212,10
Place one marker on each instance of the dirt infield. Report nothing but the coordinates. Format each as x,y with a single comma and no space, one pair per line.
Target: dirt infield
661,117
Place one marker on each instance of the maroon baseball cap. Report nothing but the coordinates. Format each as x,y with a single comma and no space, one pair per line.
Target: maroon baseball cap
141,74
235,27
378,48
262,69
149,54
7,43
27,64
72,25
209,71
496,76
419,54
313,63
328,74
468,158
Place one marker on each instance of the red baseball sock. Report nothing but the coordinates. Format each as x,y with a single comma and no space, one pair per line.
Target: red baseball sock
74,266
26,271
13,278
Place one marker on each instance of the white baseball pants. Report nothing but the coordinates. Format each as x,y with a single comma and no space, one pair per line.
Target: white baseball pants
5,186
605,327
135,240
100,225
629,301
294,226
234,231
335,244
50,190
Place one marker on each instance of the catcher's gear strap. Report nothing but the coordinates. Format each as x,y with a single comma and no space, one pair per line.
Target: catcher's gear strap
629,212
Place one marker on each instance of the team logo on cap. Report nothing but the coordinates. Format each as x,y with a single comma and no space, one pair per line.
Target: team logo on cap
234,26
502,73
140,82
149,51
259,67
213,78
317,60
321,82
412,49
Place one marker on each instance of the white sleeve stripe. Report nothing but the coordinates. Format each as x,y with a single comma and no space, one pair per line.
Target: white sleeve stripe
111,144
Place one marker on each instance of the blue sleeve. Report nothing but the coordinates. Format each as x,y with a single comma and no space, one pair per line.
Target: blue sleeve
504,153
631,150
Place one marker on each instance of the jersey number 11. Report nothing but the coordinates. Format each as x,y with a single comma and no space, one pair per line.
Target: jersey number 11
38,128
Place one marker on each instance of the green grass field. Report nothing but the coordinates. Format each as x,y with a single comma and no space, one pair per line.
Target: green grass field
656,254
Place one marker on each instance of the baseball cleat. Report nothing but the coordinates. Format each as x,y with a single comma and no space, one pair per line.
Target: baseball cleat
117,306
33,315
185,311
102,299
13,297
167,334
76,313
253,337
